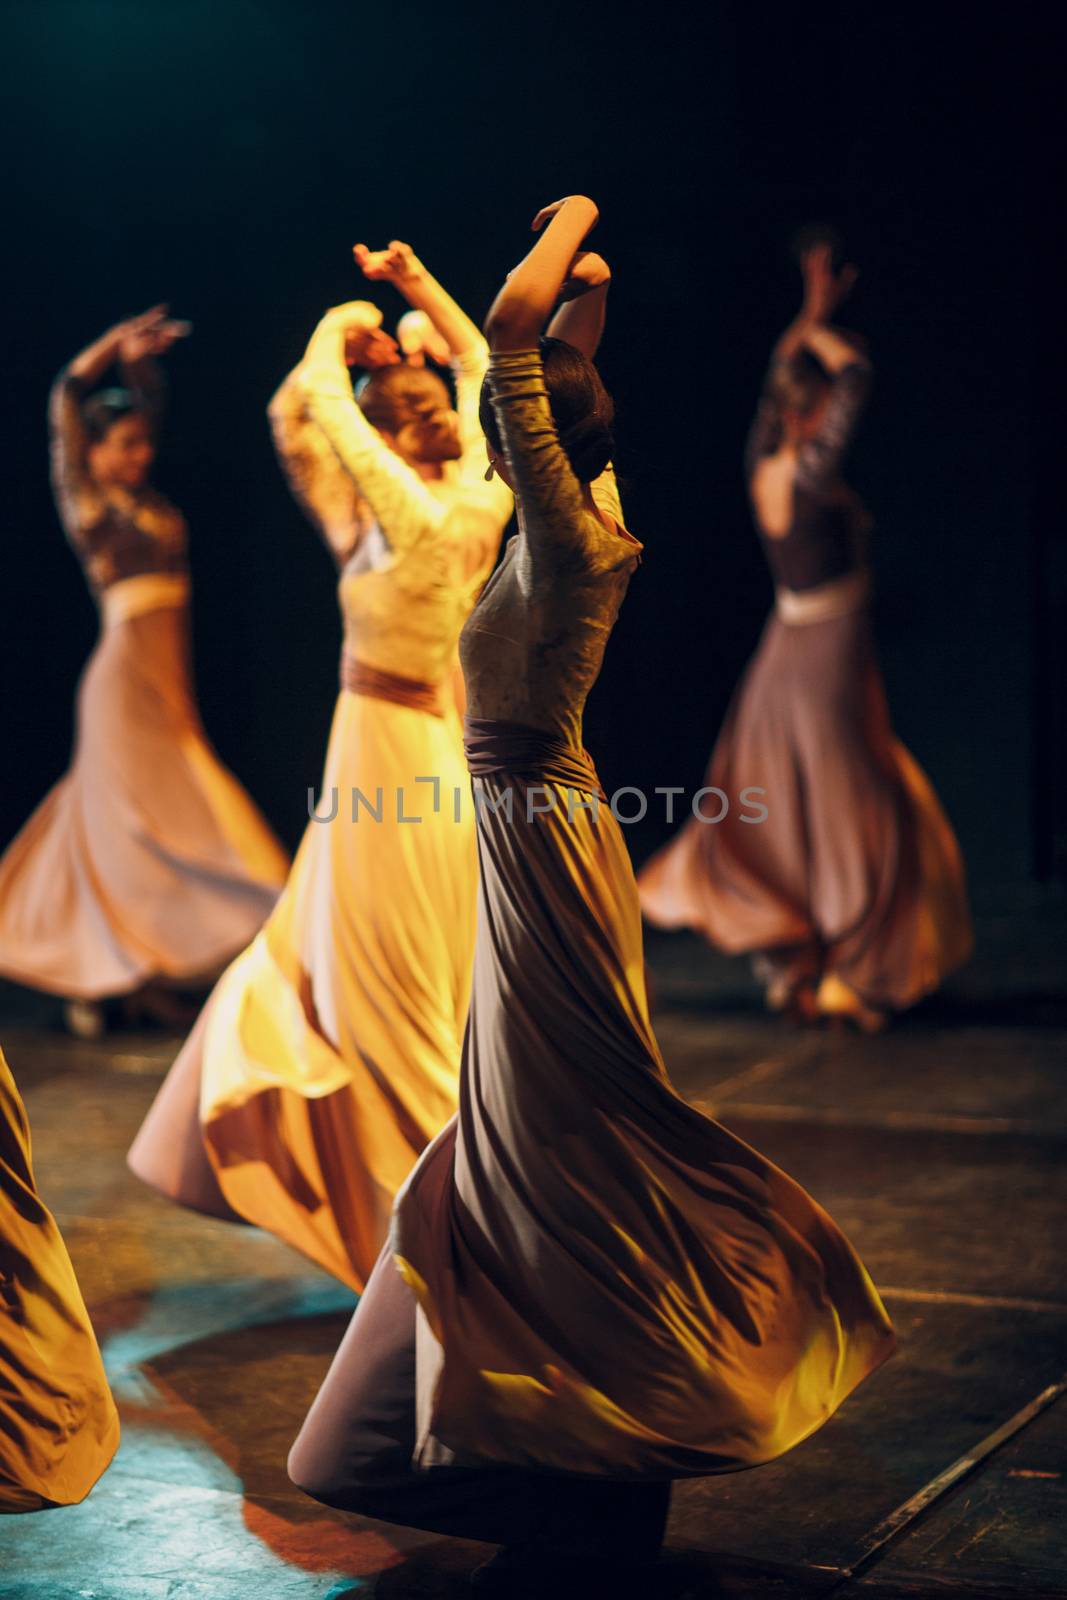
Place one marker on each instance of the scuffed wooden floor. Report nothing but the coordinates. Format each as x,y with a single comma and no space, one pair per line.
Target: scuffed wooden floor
940,1149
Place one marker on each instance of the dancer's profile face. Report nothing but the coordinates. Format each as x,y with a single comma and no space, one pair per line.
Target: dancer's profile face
124,456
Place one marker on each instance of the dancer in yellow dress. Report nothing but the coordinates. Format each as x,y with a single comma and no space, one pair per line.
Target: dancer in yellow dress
328,1056
592,1288
58,1425
147,861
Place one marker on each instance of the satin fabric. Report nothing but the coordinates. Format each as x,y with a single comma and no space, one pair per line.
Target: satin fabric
609,1282
329,1053
148,859
58,1425
855,875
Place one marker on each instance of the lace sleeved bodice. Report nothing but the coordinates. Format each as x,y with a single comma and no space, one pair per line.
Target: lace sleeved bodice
409,585
825,538
534,645
116,533
328,495
819,459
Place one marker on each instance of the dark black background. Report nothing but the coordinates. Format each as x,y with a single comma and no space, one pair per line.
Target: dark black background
225,156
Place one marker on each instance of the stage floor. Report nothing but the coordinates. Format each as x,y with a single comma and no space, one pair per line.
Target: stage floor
939,1147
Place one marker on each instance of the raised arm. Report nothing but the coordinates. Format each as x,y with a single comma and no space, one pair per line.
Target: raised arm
518,315
326,492
400,266
819,458
553,505
824,289
438,327
132,344
399,500
580,318
328,495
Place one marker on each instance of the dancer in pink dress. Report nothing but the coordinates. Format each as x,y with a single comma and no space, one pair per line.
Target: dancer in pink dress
850,893
591,1288
147,863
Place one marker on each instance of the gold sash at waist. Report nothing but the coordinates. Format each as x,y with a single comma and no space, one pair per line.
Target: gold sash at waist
359,677
149,591
798,607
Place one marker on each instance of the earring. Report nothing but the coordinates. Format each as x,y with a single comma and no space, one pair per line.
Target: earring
490,469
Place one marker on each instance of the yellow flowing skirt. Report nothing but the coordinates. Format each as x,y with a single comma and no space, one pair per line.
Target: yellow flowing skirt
58,1425
328,1055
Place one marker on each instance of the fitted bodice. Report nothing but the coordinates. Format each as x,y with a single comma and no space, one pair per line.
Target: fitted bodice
116,533
828,527
403,610
535,643
413,553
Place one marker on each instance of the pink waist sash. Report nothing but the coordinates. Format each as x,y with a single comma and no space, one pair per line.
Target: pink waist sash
513,749
358,677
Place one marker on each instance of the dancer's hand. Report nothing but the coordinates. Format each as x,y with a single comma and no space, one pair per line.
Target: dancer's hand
546,213
824,289
587,271
397,265
419,338
522,307
150,334
366,343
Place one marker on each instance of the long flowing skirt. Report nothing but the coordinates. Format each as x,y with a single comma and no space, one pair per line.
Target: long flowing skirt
855,875
609,1282
58,1425
328,1055
148,859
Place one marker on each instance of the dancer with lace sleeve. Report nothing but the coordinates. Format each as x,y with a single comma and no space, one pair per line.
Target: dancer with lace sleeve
328,1055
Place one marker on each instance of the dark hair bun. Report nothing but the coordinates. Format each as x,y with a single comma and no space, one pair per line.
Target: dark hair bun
581,408
589,445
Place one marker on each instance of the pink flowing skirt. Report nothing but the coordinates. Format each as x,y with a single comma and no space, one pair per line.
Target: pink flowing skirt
855,874
148,859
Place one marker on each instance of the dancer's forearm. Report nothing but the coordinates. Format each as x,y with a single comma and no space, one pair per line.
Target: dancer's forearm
580,322
525,302
832,348
422,290
90,364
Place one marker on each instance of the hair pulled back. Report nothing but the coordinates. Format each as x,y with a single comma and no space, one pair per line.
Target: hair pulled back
581,408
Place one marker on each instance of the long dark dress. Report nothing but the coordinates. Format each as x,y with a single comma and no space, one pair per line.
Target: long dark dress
609,1284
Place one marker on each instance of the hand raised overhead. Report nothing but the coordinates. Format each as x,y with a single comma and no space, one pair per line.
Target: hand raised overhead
366,343
394,265
419,340
824,289
546,213
587,271
152,333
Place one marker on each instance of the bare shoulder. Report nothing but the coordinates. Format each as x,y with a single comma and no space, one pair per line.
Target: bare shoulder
772,491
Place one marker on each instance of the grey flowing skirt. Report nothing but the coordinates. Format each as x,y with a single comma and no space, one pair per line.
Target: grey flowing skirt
609,1283
855,875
